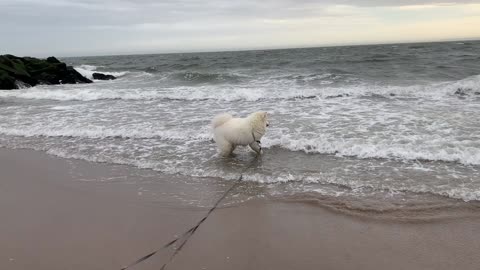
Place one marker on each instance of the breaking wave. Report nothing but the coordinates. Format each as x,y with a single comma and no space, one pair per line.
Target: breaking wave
101,133
426,149
466,88
200,78
88,70
414,148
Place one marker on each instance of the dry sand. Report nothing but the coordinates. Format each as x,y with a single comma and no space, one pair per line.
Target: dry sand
51,218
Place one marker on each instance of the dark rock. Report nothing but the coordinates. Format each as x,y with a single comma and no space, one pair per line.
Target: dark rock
32,71
75,77
53,60
101,76
15,68
6,82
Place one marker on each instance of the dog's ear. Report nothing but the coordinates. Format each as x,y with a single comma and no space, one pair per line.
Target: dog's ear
264,115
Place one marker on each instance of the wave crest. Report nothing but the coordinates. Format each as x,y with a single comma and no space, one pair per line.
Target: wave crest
200,78
466,88
88,70
428,149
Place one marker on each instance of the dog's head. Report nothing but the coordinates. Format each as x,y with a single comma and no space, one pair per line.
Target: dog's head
260,121
265,119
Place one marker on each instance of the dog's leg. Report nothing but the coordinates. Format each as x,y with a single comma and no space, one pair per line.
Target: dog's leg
256,147
227,149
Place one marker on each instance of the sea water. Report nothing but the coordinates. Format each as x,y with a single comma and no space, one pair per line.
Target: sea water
371,127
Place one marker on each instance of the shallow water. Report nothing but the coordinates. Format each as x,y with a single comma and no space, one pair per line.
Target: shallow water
387,126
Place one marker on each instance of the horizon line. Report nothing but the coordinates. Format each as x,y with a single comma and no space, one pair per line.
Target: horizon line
280,48
270,48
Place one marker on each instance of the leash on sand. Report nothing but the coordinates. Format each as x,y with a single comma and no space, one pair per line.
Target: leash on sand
186,235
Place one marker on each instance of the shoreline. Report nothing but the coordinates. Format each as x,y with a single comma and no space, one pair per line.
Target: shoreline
73,214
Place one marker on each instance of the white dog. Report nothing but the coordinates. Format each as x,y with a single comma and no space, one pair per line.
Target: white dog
228,132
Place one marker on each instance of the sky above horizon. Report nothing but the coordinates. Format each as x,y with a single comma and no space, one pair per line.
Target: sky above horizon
88,27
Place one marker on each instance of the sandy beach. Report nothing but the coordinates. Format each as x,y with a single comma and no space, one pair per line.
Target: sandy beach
55,217
247,135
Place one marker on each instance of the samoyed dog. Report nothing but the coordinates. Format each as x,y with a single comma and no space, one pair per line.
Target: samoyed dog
228,132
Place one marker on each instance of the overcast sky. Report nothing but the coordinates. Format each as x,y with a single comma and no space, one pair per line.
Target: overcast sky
88,27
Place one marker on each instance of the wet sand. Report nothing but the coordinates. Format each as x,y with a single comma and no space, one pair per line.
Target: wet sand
53,217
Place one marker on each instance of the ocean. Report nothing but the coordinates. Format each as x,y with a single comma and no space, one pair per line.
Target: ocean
378,129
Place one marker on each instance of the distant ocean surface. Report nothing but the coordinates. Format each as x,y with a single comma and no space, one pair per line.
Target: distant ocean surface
373,128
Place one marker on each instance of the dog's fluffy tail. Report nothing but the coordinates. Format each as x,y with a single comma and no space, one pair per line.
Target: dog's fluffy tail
220,119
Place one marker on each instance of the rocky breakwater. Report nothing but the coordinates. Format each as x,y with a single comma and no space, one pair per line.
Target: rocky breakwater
16,72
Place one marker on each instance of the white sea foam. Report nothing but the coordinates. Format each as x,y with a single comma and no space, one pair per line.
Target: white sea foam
88,70
101,132
62,108
349,186
428,148
358,188
470,86
21,85
181,161
87,93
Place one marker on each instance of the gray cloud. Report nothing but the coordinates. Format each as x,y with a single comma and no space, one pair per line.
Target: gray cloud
88,26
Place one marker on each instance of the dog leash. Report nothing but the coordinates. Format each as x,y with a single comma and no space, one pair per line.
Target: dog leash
186,235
